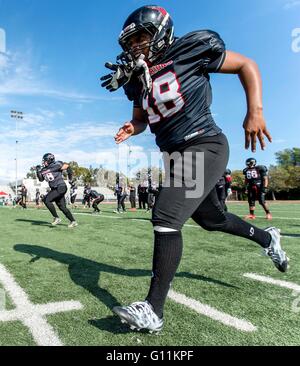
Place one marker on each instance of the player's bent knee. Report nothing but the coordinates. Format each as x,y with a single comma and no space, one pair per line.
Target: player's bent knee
161,229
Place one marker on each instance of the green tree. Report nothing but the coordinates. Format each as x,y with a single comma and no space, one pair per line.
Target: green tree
32,173
278,179
238,180
288,157
293,181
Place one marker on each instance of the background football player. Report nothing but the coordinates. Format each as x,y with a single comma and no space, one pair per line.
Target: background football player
167,79
256,180
52,172
223,187
86,198
73,193
95,198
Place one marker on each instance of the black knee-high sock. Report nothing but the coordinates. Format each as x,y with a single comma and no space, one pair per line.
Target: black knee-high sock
166,259
51,208
66,212
236,226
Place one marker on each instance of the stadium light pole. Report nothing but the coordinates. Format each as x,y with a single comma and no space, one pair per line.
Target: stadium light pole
16,115
128,160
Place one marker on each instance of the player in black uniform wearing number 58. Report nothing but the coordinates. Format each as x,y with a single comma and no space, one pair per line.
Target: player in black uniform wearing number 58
167,79
52,172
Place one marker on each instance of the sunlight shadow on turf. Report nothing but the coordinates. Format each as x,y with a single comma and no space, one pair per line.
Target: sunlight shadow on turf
86,273
110,324
38,223
83,272
204,279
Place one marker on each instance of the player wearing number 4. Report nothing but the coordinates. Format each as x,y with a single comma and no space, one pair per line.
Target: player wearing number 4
167,79
52,172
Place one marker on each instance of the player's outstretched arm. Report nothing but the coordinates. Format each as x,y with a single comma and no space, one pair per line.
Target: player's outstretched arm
248,71
136,126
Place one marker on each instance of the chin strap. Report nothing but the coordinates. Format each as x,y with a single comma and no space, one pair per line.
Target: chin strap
145,77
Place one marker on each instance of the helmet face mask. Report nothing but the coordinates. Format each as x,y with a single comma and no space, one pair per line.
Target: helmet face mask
251,162
48,158
138,43
153,20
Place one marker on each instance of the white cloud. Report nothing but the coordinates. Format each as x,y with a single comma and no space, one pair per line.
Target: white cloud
291,4
18,78
88,143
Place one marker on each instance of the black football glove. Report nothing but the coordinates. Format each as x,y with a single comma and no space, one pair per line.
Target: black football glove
118,78
38,167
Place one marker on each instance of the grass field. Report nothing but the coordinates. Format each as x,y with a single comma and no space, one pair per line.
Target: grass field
106,261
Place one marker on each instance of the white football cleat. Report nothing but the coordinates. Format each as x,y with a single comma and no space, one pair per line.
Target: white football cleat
275,251
56,221
139,315
73,224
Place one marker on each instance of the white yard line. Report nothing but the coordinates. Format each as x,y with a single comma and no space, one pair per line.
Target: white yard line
32,315
119,216
212,313
290,285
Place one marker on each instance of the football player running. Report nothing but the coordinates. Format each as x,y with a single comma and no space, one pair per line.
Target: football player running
256,180
167,79
52,172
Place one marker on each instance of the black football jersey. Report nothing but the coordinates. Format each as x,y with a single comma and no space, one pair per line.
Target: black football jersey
221,183
53,174
255,175
94,194
178,107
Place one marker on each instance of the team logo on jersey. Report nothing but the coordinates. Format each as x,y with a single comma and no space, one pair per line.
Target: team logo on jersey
155,69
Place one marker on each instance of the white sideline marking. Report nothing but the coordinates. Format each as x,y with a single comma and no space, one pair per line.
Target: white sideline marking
272,281
120,216
32,315
212,313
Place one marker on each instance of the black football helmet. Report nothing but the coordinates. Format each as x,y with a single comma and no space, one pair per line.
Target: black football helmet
48,158
157,22
251,162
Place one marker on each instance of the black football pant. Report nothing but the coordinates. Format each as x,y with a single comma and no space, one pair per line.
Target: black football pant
57,195
96,203
132,201
173,208
121,202
142,201
23,202
255,193
222,197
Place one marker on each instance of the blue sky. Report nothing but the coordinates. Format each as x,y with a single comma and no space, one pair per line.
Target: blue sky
55,52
